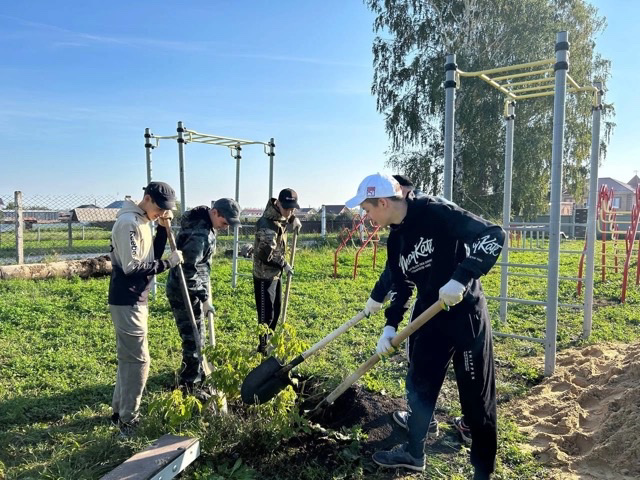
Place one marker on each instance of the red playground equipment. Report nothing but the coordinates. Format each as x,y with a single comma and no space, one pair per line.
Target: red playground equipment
365,227
608,222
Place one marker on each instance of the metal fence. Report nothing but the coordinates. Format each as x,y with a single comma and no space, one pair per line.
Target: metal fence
44,228
36,228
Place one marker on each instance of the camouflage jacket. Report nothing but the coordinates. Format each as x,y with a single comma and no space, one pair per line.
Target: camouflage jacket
197,241
270,244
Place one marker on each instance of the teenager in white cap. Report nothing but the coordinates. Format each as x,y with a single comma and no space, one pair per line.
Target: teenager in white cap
441,250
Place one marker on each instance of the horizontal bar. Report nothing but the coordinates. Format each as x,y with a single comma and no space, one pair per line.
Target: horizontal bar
519,337
526,74
528,82
531,89
535,275
497,86
533,302
538,63
522,265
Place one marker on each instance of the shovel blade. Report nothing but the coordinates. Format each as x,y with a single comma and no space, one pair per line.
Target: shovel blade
264,382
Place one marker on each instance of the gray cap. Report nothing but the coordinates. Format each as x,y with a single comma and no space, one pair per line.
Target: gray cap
229,209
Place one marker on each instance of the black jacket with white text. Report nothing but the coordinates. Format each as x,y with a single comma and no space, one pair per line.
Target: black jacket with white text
437,242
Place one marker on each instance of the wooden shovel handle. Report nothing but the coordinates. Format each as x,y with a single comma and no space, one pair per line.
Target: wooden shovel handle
423,318
288,287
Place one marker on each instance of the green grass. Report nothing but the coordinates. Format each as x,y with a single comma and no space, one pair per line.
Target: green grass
57,368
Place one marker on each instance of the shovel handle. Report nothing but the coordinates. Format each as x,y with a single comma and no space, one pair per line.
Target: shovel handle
288,287
423,318
185,295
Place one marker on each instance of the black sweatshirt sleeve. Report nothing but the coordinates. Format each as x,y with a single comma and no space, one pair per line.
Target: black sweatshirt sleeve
382,286
401,287
159,242
484,240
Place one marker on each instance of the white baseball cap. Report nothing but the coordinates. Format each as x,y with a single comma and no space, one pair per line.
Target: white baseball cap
378,185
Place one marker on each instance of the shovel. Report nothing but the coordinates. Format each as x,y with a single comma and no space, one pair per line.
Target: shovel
288,287
423,318
207,368
271,377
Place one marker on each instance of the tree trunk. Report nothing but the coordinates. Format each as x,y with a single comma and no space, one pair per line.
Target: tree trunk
86,268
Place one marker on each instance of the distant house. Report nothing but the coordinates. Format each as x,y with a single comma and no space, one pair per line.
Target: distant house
623,193
304,213
335,209
118,203
251,213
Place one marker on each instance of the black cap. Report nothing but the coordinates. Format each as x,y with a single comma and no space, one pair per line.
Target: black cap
229,209
162,194
288,198
403,180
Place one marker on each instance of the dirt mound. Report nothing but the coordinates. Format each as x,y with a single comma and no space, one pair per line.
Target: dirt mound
583,421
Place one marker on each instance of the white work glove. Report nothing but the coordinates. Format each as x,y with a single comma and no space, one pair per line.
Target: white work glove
296,224
384,344
451,293
372,307
207,307
288,269
175,258
163,220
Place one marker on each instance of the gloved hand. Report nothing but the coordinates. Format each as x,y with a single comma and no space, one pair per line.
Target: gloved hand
175,258
372,307
384,343
207,307
164,219
296,224
288,269
451,293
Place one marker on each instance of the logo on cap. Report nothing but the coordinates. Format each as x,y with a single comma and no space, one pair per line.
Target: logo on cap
371,191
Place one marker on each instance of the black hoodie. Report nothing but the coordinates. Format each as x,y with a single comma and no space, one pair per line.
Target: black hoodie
437,242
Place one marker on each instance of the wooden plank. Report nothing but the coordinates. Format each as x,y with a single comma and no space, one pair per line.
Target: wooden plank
162,460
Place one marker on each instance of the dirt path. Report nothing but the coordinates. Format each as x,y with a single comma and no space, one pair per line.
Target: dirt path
584,421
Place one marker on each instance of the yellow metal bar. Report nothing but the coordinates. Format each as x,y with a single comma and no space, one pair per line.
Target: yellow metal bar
525,74
528,82
507,69
497,85
530,89
572,81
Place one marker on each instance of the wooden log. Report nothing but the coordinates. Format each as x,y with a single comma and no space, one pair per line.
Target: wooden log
85,268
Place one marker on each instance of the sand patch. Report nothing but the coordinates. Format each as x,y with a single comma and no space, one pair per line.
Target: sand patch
584,421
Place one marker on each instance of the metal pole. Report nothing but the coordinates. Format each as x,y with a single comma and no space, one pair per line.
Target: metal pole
148,147
561,68
181,142
271,154
236,229
591,212
506,205
19,228
449,115
323,222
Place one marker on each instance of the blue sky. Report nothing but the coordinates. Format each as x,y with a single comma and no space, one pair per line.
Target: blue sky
81,80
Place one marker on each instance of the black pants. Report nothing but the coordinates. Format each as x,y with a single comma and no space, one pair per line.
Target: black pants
191,371
268,295
464,335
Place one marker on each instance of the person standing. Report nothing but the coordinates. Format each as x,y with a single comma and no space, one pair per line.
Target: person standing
441,250
135,259
269,260
197,241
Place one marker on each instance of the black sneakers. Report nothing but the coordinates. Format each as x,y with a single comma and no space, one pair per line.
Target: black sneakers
401,417
463,429
399,456
127,429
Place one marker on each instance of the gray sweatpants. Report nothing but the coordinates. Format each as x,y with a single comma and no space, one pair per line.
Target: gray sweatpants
130,323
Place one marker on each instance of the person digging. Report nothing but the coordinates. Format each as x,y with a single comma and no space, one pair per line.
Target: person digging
382,291
269,259
135,259
197,241
441,250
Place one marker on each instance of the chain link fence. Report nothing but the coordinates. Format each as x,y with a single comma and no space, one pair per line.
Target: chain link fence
43,228
46,228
